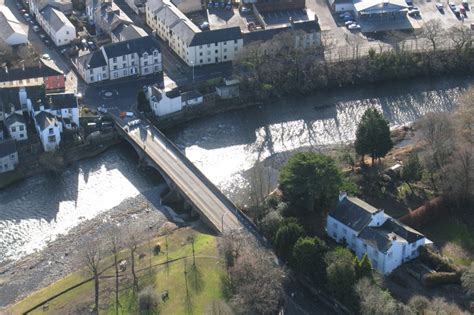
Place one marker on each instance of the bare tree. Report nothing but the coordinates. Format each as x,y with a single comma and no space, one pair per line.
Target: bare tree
92,255
132,244
115,244
460,36
432,31
467,280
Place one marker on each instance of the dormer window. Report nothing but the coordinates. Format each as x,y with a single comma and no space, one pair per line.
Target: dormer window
145,55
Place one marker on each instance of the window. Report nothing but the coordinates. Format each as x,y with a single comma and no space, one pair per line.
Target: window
115,67
12,156
215,44
145,63
157,68
225,43
22,135
124,58
200,54
208,45
200,60
235,48
21,128
145,70
133,63
124,65
91,71
155,53
225,57
52,139
115,59
334,225
208,59
103,68
124,72
115,75
51,131
92,79
145,55
13,129
155,61
225,49
216,51
235,41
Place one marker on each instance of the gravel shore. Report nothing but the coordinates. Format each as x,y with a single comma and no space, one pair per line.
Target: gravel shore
61,256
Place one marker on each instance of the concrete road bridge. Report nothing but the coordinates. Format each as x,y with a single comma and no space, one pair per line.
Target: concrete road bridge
182,175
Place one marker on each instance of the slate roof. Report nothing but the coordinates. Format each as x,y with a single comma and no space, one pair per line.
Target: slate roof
393,226
7,147
93,60
376,238
36,94
353,212
14,118
220,35
61,100
41,69
55,18
264,35
9,97
9,27
127,32
45,119
139,45
186,96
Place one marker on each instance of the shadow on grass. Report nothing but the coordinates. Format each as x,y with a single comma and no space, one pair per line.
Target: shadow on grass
188,304
195,279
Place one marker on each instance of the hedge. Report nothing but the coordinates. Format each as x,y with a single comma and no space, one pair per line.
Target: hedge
436,261
441,278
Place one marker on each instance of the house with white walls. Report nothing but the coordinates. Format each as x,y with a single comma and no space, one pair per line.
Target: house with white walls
8,155
57,26
16,127
12,32
368,230
49,130
64,106
164,101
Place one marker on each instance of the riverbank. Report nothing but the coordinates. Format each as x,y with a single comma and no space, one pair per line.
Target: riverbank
62,256
62,158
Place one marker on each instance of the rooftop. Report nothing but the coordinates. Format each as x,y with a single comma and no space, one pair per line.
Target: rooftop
45,119
7,147
55,18
186,96
92,60
353,212
140,45
14,118
39,69
61,100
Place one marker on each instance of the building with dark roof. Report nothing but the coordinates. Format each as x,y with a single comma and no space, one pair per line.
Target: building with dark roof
8,155
37,72
56,25
368,230
12,32
49,130
136,57
189,42
125,32
64,106
16,127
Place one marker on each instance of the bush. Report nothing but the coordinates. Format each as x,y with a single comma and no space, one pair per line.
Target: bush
148,300
157,249
429,211
436,261
441,278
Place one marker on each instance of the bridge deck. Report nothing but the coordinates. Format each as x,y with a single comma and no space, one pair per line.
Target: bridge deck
173,163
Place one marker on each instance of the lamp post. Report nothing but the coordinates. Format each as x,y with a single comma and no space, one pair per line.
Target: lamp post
222,223
192,64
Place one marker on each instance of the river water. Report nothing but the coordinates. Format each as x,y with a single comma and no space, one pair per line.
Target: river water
225,147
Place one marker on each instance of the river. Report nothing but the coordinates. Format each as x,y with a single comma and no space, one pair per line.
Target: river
225,147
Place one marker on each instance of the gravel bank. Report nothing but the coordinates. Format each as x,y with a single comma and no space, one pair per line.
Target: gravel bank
60,257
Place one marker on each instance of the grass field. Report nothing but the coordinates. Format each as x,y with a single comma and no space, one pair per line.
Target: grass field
203,282
454,237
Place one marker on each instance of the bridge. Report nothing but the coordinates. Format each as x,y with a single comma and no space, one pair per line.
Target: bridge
181,174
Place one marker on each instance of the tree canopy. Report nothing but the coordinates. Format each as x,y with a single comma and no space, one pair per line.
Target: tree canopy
286,236
310,179
142,102
308,258
341,276
373,135
412,170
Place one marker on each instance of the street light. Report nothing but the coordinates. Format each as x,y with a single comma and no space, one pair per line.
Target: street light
192,64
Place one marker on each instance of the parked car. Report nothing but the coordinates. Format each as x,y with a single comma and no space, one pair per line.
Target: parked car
245,9
440,6
216,5
18,5
414,13
26,16
46,56
452,6
462,10
204,26
209,5
465,4
228,6
347,23
47,42
36,28
457,13
42,36
354,27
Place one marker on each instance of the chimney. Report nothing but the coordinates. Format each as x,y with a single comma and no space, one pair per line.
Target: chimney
6,69
23,65
342,195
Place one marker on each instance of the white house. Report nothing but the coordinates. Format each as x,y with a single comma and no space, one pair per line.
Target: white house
36,6
107,16
49,130
12,32
64,106
57,26
365,229
16,126
164,101
137,57
8,155
376,10
188,41
229,88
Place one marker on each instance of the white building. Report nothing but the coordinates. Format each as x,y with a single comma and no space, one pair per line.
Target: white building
365,229
12,32
341,5
192,45
229,88
107,16
136,57
8,155
57,26
64,106
124,32
164,101
376,10
49,130
191,98
16,127
65,6
138,6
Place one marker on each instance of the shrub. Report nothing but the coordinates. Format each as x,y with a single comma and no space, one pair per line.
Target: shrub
429,211
441,278
436,261
157,249
148,300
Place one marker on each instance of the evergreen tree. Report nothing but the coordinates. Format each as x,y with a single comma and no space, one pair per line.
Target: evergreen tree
363,267
142,102
310,179
308,258
286,237
373,135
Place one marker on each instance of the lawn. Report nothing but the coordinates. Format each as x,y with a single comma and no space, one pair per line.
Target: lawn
203,281
454,237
